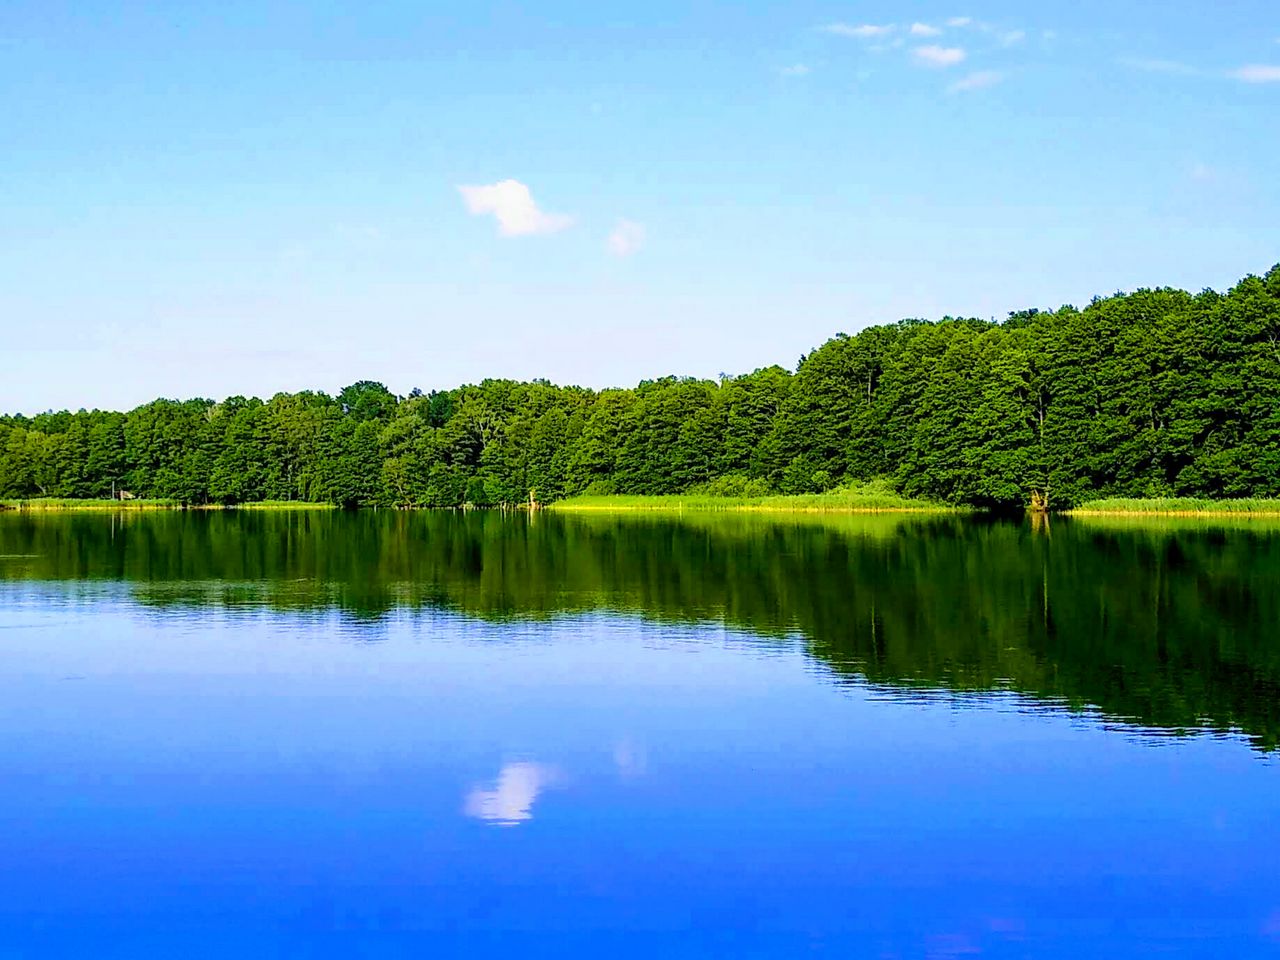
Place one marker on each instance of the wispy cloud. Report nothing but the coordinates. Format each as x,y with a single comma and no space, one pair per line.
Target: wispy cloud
1011,37
512,204
1257,73
795,70
959,21
1172,67
978,80
627,238
862,31
924,30
1250,73
936,56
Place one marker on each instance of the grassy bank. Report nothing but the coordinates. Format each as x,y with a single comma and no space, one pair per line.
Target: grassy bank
57,504
1176,507
274,505
842,501
46,504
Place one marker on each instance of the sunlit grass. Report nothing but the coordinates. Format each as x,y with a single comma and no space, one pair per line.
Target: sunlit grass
37,504
280,505
848,500
56,504
1177,507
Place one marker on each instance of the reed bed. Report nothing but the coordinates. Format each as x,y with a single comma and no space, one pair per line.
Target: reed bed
1177,507
59,504
50,504
837,502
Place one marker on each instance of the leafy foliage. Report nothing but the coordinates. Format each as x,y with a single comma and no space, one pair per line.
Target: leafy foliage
1153,394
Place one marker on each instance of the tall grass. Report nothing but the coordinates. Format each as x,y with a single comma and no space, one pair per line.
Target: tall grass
69,503
844,500
277,505
51,504
1177,507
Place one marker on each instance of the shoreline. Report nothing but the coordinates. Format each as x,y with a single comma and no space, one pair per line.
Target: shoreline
677,504
1235,514
782,503
147,506
1243,507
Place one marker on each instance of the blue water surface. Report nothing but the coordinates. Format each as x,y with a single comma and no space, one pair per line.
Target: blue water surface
246,780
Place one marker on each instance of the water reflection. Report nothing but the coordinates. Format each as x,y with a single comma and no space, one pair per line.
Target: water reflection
630,759
1166,626
840,739
508,801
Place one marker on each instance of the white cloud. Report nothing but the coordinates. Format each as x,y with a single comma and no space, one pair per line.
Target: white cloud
509,801
863,31
978,80
924,30
627,238
936,56
795,70
512,204
1010,37
1257,73
959,21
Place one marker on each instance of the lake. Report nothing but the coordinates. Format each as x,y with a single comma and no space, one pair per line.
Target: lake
306,734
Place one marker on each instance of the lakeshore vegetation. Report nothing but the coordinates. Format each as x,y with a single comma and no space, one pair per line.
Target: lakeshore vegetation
1154,395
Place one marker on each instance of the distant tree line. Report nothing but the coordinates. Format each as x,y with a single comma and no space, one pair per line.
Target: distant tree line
1153,393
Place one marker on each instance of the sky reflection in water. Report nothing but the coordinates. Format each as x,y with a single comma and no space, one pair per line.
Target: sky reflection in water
269,766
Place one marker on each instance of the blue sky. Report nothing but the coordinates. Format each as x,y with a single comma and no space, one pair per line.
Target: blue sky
211,199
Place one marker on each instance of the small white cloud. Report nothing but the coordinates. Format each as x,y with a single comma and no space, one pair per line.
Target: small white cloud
862,31
627,238
959,21
509,801
795,70
1011,37
1257,73
924,30
511,202
1203,173
936,56
978,80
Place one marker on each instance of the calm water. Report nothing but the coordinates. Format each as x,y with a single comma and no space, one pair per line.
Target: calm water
389,735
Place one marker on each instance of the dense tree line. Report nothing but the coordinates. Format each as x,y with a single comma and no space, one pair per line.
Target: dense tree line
1153,393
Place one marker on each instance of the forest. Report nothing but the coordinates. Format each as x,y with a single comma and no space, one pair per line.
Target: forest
1155,393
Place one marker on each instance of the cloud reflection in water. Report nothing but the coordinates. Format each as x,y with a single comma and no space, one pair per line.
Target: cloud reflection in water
509,801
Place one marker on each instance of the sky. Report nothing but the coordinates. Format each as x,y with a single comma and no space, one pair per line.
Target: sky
244,198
